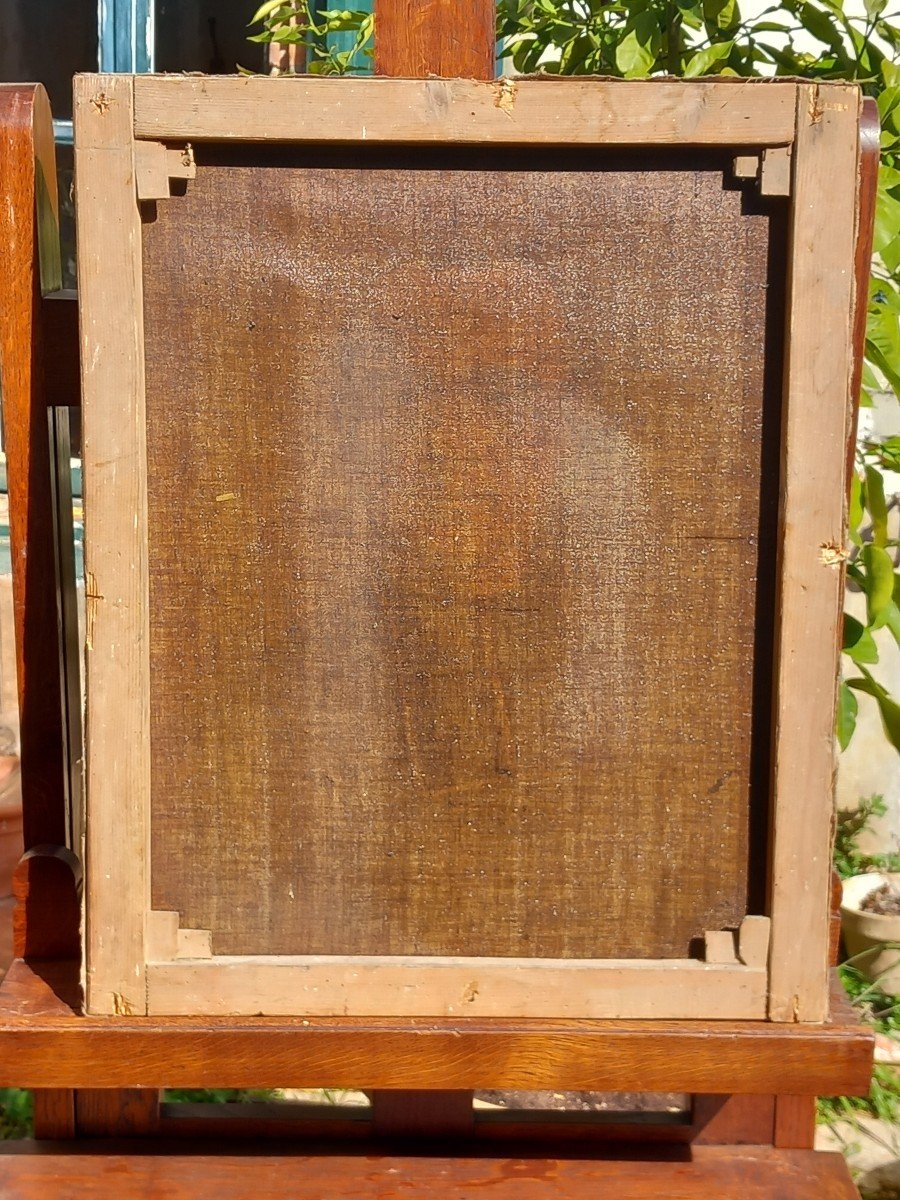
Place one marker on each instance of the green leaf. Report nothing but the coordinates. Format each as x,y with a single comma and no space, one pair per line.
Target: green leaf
705,61
879,359
855,515
876,505
822,26
721,15
879,587
888,709
267,9
858,643
892,618
636,52
848,707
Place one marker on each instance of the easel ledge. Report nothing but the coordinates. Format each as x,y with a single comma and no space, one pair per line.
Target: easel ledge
47,1044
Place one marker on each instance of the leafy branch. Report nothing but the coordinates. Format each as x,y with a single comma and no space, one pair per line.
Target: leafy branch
300,23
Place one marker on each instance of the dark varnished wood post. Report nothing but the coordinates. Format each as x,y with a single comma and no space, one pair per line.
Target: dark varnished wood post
37,359
869,158
450,38
417,39
29,269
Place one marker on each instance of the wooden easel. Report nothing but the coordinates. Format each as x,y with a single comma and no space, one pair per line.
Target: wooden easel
96,1078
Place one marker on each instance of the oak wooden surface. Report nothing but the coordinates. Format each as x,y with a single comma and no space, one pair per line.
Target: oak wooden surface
54,1112
115,495
817,381
36,373
461,988
421,38
45,1043
727,1174
535,111
795,1122
104,1112
734,1120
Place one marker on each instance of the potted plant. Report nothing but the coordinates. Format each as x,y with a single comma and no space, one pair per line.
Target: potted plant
870,918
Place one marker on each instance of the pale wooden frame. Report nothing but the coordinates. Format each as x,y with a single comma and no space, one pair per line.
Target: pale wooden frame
140,962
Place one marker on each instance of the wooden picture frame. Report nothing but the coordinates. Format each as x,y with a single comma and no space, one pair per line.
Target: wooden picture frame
132,137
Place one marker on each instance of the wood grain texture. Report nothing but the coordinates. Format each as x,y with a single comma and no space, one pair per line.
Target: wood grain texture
726,1173
548,111
418,38
47,885
869,159
733,1120
46,1044
818,374
30,265
131,1112
434,655
116,657
795,1122
478,987
54,1113
59,316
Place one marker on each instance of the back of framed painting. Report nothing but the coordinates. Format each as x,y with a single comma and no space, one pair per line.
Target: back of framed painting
437,552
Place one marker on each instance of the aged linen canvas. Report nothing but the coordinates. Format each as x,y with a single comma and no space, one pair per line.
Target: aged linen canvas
460,565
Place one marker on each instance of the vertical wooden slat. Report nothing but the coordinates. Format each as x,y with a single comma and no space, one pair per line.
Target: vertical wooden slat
54,1113
29,265
818,374
125,1112
418,38
795,1122
118,767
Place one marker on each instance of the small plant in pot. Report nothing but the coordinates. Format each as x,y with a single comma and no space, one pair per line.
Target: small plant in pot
870,904
870,918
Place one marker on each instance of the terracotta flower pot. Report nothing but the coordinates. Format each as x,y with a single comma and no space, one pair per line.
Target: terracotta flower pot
872,939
